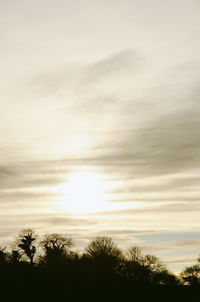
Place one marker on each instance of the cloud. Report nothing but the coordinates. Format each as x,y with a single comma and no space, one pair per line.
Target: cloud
114,65
170,145
182,260
130,114
174,245
35,173
83,75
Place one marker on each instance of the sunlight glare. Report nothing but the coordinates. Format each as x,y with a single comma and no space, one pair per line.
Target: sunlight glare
84,192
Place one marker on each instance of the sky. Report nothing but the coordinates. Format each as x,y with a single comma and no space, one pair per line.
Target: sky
99,123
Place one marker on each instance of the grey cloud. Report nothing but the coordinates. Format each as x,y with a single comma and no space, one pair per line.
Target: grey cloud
6,171
83,75
87,89
27,197
173,246
187,243
34,173
172,201
174,142
69,222
184,260
115,63
42,222
169,145
161,149
177,186
171,207
124,231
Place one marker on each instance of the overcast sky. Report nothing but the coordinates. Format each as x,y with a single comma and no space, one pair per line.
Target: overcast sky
110,86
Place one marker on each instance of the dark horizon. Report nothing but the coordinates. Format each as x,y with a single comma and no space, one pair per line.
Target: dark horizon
49,268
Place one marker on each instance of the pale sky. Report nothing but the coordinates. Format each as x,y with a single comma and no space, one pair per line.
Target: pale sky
99,102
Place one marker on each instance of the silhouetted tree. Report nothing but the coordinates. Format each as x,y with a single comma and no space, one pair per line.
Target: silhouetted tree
55,246
164,277
25,242
102,271
103,247
134,254
191,274
143,268
153,263
155,269
131,267
104,256
14,257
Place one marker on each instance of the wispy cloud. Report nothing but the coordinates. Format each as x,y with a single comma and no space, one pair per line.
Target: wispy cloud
118,96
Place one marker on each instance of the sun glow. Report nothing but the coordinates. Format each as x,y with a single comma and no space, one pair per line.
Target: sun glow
84,192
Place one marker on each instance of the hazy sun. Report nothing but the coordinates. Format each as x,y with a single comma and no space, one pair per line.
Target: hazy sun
84,192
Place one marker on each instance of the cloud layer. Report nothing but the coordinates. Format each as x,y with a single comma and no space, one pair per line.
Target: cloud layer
118,95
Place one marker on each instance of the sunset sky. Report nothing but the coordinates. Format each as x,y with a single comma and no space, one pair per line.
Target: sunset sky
100,122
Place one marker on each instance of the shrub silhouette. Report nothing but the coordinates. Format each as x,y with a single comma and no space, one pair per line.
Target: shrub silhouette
25,242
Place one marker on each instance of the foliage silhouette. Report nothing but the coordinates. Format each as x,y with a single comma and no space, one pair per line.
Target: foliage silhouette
25,243
55,246
191,275
103,247
103,258
134,254
101,272
14,257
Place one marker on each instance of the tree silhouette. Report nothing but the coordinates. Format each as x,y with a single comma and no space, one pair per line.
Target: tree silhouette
55,246
131,267
14,257
25,242
144,268
191,274
153,263
105,257
134,254
103,247
101,272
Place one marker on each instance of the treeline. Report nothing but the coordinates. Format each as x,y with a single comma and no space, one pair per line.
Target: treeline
49,268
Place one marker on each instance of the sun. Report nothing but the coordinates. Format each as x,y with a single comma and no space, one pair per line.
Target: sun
84,192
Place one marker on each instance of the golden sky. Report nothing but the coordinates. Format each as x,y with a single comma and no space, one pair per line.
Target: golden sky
99,122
